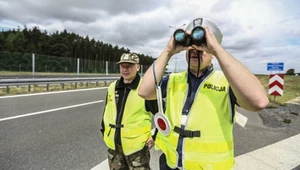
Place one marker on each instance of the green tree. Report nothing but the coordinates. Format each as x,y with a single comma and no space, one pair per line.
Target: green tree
47,47
290,72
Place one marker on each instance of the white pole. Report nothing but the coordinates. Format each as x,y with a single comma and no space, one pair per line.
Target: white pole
33,64
77,66
106,67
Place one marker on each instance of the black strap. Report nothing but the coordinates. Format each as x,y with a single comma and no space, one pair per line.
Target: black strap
116,126
187,133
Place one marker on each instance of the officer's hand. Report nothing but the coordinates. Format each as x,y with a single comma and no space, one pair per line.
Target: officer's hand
212,45
174,48
150,143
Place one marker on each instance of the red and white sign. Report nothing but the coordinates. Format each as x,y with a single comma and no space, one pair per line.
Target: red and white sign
276,82
161,122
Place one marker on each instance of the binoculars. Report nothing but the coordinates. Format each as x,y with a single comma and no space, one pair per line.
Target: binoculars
196,37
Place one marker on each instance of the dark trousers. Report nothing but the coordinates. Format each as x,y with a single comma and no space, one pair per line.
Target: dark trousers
139,160
163,163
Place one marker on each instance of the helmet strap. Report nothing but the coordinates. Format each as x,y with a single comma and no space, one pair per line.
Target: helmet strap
198,55
188,74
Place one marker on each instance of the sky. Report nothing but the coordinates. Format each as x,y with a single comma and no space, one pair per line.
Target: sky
255,32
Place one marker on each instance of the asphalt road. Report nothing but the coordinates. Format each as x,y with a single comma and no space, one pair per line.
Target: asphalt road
62,139
61,130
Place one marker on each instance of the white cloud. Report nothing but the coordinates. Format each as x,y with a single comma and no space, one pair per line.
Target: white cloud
255,32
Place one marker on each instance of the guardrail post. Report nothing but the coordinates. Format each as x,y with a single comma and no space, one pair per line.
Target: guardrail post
87,84
47,87
97,83
7,89
29,87
104,83
77,66
62,85
75,85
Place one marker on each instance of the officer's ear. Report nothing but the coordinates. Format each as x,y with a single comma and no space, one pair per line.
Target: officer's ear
138,66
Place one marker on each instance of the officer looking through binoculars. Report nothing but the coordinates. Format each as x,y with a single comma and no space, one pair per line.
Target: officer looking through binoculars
201,101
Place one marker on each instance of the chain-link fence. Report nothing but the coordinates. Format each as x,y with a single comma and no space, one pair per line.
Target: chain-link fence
29,62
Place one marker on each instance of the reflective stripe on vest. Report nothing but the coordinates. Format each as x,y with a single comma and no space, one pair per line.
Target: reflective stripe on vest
136,121
210,113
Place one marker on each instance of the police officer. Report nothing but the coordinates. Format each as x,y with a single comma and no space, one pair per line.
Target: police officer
200,102
126,123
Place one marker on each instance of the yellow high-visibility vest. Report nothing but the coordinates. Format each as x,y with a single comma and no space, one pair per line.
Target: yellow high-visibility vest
136,121
210,114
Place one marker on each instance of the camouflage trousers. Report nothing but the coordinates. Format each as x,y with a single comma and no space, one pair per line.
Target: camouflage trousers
139,160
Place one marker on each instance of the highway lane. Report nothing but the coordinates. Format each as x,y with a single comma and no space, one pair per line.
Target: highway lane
69,137
63,139
21,104
255,135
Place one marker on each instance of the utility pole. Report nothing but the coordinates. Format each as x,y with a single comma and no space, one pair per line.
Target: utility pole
175,63
176,54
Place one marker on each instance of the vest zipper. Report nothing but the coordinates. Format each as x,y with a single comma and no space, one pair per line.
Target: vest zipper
122,107
120,115
188,113
196,94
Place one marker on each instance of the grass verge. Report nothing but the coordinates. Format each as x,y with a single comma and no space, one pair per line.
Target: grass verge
291,89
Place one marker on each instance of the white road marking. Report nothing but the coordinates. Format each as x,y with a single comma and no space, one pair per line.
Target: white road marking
51,110
241,119
284,154
54,92
153,131
102,166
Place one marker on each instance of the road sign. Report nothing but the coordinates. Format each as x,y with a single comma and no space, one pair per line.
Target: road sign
275,66
276,82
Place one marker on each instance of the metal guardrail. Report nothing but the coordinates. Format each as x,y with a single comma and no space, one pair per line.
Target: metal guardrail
7,83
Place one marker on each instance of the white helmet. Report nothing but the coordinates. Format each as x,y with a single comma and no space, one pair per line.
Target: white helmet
204,22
